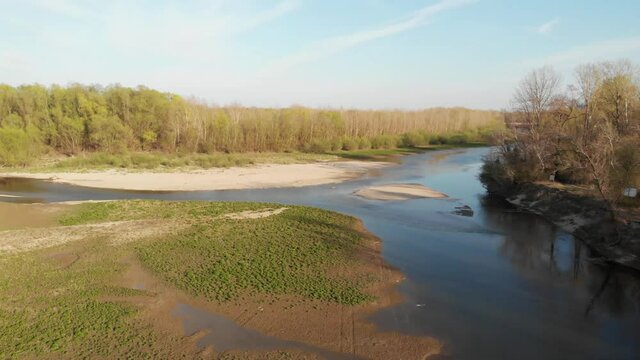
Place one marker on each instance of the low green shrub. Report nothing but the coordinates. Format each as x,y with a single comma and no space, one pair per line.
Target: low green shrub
349,144
19,147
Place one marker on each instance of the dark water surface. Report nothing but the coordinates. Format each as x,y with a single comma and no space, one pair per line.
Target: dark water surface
499,284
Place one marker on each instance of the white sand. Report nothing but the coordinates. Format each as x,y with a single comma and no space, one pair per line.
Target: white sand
251,214
255,177
117,232
397,192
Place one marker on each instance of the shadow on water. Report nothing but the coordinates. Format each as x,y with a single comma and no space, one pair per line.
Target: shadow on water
495,284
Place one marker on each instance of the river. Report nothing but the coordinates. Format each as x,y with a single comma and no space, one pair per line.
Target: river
500,284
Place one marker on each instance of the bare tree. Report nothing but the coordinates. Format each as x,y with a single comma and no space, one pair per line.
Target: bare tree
534,99
536,92
589,80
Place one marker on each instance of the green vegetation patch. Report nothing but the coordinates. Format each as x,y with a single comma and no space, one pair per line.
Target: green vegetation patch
156,209
47,308
389,154
65,301
163,162
289,253
77,119
376,154
293,253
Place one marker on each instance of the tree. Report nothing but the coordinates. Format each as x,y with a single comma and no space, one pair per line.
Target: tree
533,100
589,80
69,135
79,118
535,93
617,93
108,134
589,134
18,147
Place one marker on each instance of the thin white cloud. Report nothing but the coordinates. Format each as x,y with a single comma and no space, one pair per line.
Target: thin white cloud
547,28
587,53
14,60
67,8
269,15
181,32
132,42
333,45
14,65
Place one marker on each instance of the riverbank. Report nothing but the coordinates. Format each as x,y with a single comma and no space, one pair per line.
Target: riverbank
249,177
224,279
580,214
147,171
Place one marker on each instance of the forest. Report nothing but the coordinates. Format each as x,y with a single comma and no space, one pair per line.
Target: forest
37,120
586,133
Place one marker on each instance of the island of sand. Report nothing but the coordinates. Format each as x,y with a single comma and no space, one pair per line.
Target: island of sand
399,192
234,178
195,280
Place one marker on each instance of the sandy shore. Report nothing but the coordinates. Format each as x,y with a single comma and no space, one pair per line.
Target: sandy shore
236,178
398,192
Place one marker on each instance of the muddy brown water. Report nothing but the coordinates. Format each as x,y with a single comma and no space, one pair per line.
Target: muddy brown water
16,216
498,284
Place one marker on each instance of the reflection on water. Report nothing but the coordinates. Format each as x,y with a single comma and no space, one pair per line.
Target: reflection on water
440,156
538,249
498,284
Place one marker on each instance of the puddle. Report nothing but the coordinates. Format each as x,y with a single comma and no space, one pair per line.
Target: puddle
221,333
224,334
16,216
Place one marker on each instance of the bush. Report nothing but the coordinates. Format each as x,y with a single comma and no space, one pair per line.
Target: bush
626,171
318,146
336,144
108,134
149,139
70,135
438,140
19,146
349,144
573,176
364,143
95,159
458,139
384,142
413,139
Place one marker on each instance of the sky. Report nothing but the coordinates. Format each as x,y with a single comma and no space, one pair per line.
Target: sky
368,54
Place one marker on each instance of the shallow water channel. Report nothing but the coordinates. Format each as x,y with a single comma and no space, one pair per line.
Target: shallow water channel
492,284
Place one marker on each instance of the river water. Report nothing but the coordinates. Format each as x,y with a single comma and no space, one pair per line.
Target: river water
499,284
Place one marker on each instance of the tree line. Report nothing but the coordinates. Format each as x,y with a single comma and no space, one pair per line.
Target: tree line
77,118
584,133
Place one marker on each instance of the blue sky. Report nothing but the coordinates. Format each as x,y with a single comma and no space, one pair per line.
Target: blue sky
406,54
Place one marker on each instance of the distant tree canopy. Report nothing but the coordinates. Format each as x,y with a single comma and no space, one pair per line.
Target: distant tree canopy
79,118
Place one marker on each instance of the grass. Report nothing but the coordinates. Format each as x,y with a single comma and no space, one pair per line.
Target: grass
79,309
47,309
388,154
155,161
164,162
287,254
375,154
